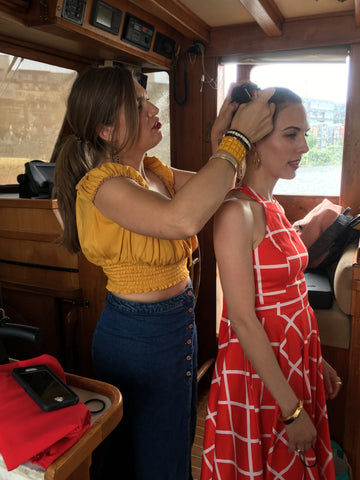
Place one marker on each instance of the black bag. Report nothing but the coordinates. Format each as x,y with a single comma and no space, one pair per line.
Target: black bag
319,288
37,181
344,230
326,231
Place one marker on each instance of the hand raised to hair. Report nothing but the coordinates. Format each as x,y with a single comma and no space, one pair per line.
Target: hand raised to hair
223,120
255,119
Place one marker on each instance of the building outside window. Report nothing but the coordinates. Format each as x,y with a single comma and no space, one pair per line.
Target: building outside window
323,89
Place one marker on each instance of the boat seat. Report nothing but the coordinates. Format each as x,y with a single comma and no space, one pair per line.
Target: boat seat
335,323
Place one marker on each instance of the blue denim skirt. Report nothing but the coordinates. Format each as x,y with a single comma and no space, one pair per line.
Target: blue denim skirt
149,351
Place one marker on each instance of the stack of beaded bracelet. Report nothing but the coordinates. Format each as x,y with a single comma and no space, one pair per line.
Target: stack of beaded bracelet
239,136
233,148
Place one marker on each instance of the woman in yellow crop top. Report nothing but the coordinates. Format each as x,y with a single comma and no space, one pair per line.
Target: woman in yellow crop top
137,219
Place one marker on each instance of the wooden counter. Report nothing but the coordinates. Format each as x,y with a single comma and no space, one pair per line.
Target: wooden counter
74,464
45,286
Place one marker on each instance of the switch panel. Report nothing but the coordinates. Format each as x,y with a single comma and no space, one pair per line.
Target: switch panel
137,32
73,10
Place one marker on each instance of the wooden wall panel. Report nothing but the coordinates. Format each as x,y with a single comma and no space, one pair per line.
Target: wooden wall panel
190,136
45,286
350,181
45,278
296,34
40,216
297,206
352,419
27,308
37,252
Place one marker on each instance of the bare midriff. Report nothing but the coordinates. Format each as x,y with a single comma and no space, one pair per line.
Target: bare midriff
156,296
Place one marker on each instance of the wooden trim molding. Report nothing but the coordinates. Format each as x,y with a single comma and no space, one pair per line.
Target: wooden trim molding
266,14
178,16
349,192
301,33
357,12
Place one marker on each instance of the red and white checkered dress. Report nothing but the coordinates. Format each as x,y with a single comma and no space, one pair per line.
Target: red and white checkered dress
243,437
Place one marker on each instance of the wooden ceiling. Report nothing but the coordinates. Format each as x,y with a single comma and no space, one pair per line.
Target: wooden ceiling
226,28
197,18
268,14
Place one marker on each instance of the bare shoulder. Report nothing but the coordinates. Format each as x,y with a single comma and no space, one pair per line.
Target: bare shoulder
242,203
243,216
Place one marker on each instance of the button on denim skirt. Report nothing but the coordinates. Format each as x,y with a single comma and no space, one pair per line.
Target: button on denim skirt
149,351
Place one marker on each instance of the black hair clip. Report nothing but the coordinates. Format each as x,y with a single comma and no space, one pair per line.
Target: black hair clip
244,93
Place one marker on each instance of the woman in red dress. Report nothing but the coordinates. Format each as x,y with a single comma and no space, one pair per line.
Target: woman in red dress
267,415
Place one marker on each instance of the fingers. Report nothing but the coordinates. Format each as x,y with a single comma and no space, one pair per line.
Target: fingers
222,122
328,387
336,387
332,382
301,433
301,441
304,447
301,446
264,95
254,119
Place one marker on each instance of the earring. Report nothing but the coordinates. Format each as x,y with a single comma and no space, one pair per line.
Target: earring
241,169
256,160
112,154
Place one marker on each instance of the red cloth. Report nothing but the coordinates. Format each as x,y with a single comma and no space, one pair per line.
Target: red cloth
29,433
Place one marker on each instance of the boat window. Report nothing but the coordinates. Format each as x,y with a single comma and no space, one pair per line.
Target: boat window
158,93
323,88
32,108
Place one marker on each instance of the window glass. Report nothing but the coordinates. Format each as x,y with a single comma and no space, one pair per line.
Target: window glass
158,93
323,89
32,107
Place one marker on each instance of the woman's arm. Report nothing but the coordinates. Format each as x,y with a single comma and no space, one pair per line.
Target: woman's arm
149,213
219,128
237,224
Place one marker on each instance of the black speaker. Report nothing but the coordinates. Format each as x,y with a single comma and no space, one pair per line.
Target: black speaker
164,45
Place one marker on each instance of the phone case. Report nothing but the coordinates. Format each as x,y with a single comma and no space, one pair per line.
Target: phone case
45,387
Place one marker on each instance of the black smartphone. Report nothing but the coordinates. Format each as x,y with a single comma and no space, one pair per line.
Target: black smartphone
45,387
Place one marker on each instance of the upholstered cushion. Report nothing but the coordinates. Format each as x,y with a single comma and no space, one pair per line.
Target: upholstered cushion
343,279
334,327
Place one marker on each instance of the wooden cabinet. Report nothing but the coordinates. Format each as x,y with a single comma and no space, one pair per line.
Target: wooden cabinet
352,382
45,286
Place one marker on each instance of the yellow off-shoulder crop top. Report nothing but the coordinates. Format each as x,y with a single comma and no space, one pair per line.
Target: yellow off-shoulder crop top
133,263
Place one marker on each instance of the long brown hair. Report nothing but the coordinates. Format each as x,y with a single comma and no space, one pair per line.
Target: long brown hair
95,100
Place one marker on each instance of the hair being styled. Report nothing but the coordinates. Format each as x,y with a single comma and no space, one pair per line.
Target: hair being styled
95,101
282,97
